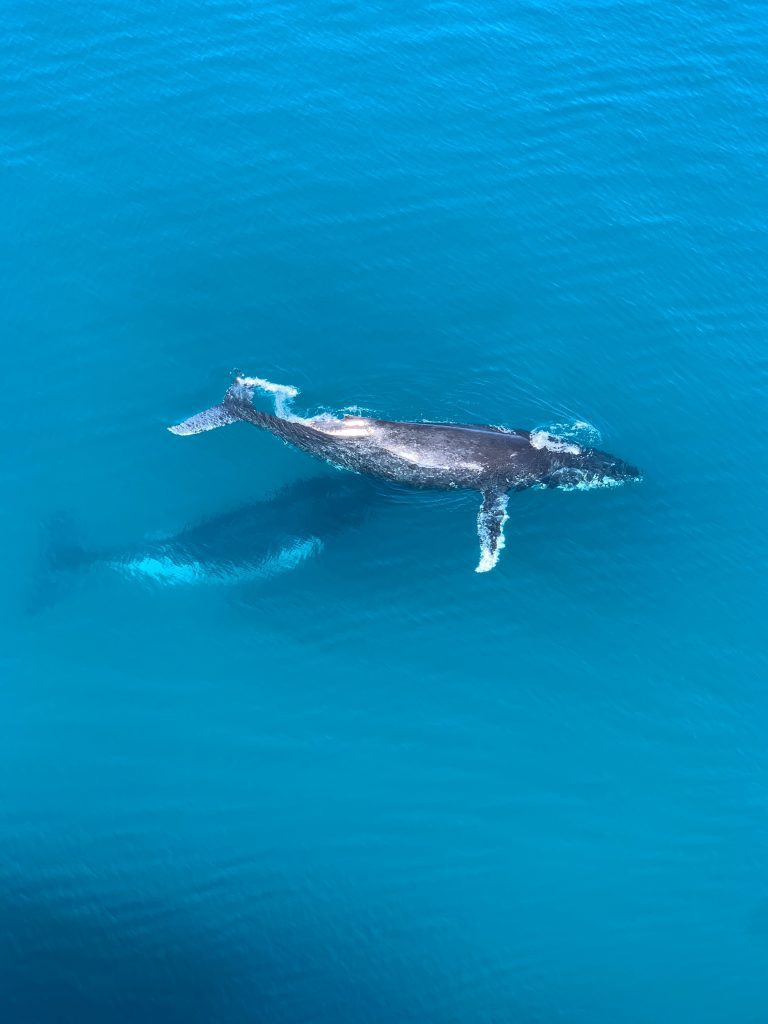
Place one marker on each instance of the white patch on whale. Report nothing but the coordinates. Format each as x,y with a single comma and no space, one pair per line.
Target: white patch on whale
431,460
417,458
349,427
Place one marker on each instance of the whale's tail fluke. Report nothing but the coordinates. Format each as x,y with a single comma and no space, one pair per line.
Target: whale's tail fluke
62,558
237,406
209,419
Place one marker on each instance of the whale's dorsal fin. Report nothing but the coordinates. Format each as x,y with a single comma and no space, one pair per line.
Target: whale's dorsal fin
490,527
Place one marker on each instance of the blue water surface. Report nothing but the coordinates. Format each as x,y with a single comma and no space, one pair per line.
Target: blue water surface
243,779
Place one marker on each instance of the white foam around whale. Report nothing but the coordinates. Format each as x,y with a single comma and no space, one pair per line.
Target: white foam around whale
578,432
284,393
543,439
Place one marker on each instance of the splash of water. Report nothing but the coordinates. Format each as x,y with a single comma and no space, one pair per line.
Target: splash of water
576,432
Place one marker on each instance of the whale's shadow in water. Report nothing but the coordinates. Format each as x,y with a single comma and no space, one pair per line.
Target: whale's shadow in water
256,541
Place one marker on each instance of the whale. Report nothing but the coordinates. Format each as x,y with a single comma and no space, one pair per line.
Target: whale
252,542
494,460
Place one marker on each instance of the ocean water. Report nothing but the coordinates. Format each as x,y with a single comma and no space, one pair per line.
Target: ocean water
271,750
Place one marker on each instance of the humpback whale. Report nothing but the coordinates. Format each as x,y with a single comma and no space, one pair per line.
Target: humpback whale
443,456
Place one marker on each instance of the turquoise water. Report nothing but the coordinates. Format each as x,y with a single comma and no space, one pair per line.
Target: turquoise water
297,764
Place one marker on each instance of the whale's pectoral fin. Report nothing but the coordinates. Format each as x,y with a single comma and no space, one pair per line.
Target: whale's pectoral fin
490,528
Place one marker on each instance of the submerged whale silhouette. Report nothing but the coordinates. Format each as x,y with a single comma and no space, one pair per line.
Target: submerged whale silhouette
441,456
256,541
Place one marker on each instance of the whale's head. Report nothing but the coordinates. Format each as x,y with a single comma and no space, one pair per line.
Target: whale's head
572,467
